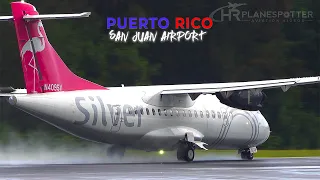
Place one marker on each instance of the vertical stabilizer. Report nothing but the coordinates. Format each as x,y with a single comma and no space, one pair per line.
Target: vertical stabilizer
44,71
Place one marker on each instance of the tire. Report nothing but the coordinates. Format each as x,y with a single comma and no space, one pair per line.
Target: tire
180,154
185,152
246,156
250,156
189,154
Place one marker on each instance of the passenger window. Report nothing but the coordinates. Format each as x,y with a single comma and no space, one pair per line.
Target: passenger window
153,112
165,112
141,111
213,114
208,114
190,114
177,113
201,114
219,115
195,114
147,110
159,112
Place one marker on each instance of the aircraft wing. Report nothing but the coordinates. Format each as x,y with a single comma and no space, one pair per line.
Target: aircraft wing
284,84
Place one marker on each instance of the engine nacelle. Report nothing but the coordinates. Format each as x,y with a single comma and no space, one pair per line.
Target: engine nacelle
245,100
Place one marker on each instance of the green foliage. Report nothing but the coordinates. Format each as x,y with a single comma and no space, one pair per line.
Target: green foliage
274,142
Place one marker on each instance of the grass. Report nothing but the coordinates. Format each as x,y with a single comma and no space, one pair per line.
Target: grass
272,153
260,153
287,153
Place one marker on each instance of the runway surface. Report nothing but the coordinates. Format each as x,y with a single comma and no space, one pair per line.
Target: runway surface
286,168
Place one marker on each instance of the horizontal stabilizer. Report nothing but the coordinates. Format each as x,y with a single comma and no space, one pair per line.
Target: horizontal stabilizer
56,16
6,18
9,91
6,89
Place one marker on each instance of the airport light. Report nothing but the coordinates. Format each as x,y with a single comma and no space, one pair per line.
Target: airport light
161,152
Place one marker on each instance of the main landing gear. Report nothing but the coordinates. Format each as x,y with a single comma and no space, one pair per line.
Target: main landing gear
247,154
185,151
116,151
187,146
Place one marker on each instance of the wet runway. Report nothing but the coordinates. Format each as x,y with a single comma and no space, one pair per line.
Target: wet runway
286,168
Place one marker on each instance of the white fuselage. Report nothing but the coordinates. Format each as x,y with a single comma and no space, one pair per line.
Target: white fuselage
121,116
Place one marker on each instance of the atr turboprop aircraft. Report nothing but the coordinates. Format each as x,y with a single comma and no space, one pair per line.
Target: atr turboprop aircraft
151,118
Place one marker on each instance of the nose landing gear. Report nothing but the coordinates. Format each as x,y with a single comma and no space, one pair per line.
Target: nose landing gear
247,154
187,146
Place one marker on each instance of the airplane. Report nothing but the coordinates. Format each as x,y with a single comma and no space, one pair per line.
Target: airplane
235,5
180,118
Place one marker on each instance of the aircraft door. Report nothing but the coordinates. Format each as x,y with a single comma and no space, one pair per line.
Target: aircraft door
116,118
218,126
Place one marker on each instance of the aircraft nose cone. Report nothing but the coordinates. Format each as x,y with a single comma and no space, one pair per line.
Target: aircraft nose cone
264,129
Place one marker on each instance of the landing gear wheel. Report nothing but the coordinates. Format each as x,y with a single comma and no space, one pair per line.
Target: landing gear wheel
246,155
185,152
190,155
